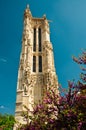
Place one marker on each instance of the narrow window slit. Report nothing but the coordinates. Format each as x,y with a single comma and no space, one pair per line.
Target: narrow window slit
34,63
34,39
39,39
40,63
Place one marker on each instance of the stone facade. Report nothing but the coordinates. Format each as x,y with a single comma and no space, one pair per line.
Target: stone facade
36,68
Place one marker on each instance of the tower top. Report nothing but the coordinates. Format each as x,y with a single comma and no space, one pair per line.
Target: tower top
28,6
27,11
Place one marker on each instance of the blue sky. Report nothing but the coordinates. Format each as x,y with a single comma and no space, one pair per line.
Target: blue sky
68,36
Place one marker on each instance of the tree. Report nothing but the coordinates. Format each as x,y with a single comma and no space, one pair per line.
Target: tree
6,122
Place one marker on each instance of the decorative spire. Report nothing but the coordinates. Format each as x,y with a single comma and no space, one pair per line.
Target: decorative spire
44,16
27,11
27,6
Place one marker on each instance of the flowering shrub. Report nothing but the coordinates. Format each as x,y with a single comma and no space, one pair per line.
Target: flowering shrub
57,112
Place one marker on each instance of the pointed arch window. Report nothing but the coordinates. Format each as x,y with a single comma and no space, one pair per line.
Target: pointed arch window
39,39
34,63
40,63
34,39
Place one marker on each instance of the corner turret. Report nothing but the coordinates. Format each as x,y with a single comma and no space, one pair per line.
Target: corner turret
27,12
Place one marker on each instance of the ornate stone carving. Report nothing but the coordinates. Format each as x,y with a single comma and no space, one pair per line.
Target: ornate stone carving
50,79
25,88
34,84
47,46
28,42
40,79
33,80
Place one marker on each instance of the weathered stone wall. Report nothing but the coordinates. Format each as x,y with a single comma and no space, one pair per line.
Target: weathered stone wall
31,85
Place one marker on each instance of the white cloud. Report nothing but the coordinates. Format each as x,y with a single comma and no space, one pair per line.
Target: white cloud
2,107
3,60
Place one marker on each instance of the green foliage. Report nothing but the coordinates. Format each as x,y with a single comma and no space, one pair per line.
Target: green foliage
6,122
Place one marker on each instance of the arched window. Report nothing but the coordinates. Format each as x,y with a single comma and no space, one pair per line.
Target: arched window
40,63
34,63
34,39
39,39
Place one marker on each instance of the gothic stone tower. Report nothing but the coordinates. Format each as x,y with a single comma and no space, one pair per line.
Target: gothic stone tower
36,69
